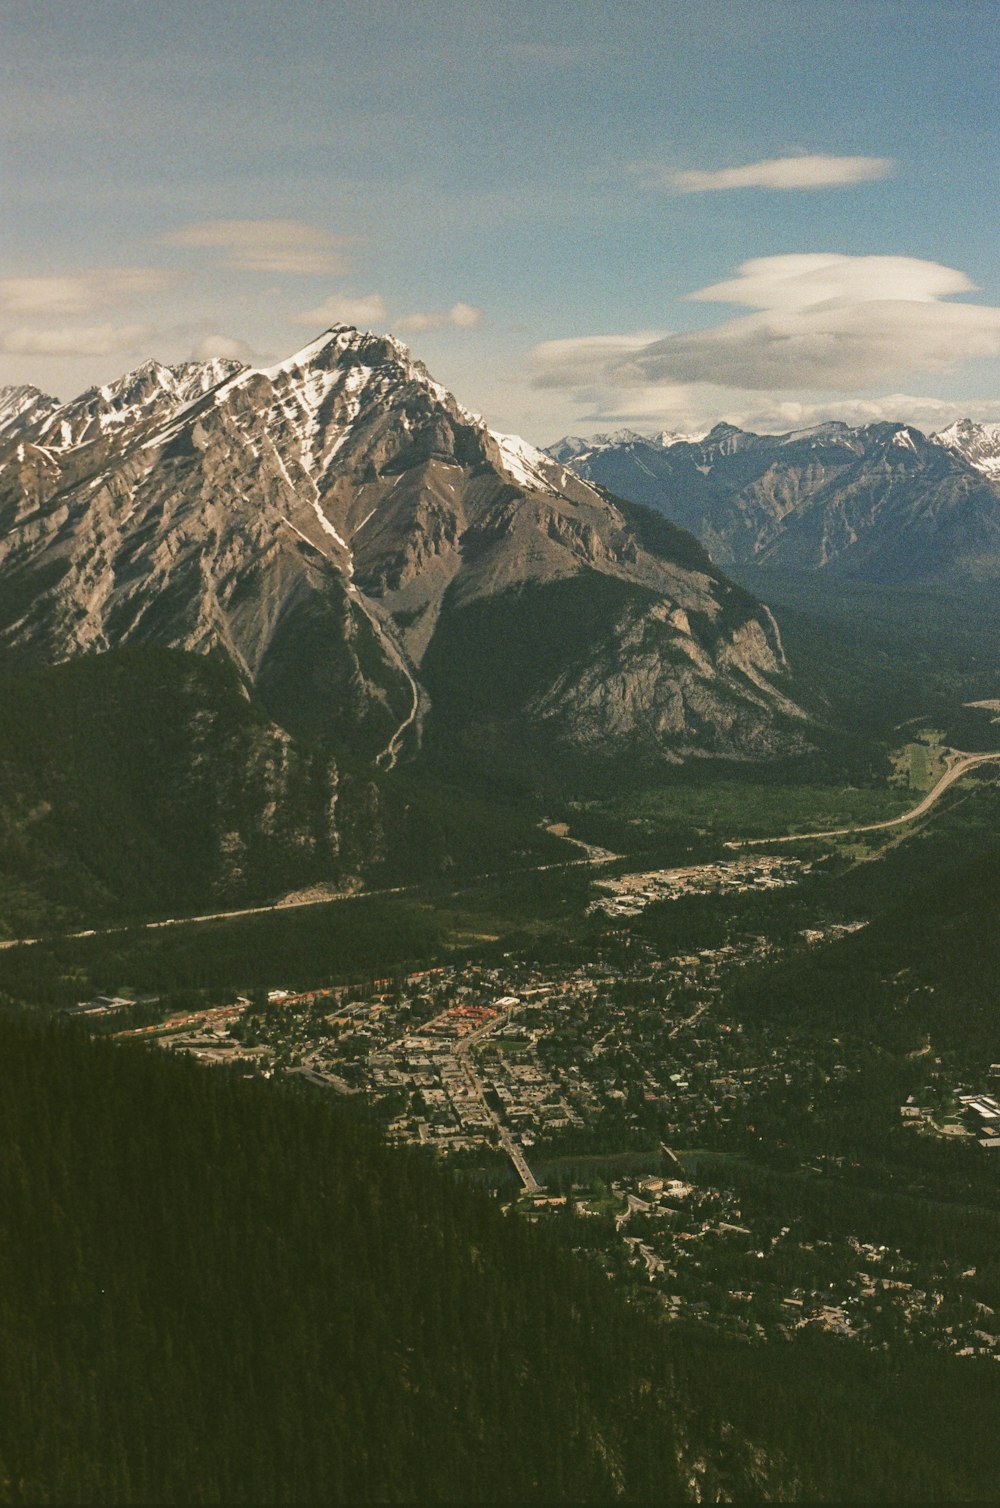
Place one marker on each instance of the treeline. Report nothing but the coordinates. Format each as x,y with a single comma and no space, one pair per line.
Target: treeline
216,1290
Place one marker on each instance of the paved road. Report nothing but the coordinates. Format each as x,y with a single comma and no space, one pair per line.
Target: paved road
211,916
599,856
510,1146
689,1020
960,765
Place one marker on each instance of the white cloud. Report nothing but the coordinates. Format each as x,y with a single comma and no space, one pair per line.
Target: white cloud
928,414
806,172
460,317
92,340
824,322
81,292
800,281
274,246
693,409
364,312
224,346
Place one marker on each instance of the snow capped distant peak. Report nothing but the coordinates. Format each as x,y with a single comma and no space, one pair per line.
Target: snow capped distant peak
964,431
977,444
149,374
204,375
668,437
831,430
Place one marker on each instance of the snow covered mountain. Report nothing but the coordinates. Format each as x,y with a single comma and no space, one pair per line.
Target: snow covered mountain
879,502
979,444
573,449
378,566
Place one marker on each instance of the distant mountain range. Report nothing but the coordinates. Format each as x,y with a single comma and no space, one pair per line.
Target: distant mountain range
881,502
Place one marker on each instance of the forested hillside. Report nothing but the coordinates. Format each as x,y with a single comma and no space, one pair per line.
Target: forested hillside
213,1290
144,783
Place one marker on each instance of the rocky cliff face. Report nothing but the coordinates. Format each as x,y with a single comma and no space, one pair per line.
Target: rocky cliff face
328,523
881,502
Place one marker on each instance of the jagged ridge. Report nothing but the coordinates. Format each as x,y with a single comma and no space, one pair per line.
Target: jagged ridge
880,502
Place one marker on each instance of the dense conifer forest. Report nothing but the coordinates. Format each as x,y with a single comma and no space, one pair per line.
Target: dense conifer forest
218,1290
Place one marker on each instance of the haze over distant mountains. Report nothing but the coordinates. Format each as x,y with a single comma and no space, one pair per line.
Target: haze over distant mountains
882,502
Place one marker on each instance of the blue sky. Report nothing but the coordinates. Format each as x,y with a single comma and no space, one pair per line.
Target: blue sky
529,194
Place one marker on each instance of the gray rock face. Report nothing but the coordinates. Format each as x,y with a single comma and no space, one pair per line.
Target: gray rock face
881,502
322,523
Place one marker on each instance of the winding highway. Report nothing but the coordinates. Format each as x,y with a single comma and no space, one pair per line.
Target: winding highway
959,764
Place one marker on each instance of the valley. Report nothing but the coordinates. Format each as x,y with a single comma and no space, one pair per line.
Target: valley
912,765
436,792
623,1069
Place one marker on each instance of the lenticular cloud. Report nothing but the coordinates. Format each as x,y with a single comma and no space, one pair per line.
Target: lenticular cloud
820,322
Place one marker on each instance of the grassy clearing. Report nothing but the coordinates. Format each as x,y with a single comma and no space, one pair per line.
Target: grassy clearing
692,816
919,765
719,810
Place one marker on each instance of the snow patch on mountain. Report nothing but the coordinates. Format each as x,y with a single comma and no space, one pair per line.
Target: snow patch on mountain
529,467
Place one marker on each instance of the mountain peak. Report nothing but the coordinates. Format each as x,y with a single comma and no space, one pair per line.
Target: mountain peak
977,443
339,341
724,429
23,406
372,559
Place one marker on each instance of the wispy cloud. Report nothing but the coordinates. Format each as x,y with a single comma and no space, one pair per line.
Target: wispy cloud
81,292
588,359
814,171
364,311
370,311
79,340
272,246
460,317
